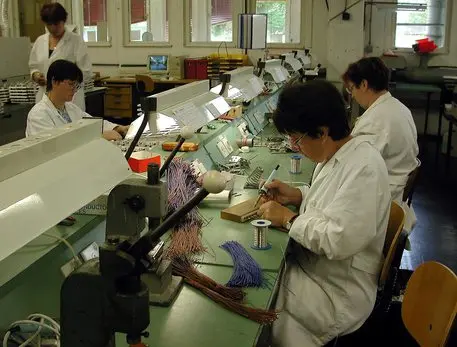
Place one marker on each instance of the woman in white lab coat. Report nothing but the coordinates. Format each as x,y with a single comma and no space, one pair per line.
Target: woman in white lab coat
335,251
58,43
55,109
386,121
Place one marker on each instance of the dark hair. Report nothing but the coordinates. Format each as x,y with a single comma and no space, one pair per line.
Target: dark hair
373,70
61,70
306,108
53,13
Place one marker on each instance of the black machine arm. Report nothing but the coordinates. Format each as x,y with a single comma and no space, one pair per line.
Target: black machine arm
107,295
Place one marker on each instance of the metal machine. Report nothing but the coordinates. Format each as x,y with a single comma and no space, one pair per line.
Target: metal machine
112,294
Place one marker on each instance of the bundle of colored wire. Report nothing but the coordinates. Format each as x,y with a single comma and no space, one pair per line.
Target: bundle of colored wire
184,268
246,272
182,185
257,315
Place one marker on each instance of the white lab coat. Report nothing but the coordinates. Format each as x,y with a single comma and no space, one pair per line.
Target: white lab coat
331,274
44,116
71,47
391,127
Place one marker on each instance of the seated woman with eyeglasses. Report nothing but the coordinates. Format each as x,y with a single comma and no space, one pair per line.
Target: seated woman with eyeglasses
334,256
64,79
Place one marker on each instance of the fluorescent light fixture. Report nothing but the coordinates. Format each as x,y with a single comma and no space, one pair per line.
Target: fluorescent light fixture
291,63
188,105
46,178
243,84
304,59
275,71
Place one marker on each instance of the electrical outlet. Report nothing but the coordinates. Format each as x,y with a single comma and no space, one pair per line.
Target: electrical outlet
69,267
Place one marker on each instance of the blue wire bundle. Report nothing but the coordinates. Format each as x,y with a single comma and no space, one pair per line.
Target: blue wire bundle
246,271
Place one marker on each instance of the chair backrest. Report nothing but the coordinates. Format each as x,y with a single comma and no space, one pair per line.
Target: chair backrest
394,229
411,183
430,304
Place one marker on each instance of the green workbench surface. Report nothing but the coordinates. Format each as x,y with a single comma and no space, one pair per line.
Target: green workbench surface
219,230
20,260
194,320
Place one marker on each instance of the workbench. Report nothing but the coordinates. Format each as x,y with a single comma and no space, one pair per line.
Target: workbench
31,277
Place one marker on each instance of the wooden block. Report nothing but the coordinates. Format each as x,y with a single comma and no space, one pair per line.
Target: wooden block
241,212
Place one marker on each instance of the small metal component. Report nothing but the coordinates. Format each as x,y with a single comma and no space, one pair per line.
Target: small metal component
253,180
261,234
153,173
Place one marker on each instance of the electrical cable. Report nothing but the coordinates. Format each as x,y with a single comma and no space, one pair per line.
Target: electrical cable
66,243
32,320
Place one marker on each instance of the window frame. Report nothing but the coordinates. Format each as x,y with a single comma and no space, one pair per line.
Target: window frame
238,7
77,16
306,26
126,17
447,30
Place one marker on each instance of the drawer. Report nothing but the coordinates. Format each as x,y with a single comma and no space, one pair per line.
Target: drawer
118,90
109,112
123,102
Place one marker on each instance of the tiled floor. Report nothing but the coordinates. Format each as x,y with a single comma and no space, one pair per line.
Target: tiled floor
434,202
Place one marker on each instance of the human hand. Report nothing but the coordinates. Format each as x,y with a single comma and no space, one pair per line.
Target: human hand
39,78
277,214
122,129
282,193
111,135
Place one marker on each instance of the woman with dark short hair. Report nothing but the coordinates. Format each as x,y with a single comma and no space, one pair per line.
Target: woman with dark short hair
387,122
334,254
58,43
55,109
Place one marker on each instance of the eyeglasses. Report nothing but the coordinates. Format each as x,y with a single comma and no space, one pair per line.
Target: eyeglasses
295,143
75,85
349,89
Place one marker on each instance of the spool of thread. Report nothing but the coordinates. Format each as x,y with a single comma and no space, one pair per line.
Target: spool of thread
245,141
261,234
295,164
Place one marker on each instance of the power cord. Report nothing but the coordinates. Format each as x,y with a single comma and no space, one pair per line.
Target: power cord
65,242
40,321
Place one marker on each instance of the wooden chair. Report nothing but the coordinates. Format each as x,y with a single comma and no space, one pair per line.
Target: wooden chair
430,304
392,241
394,245
411,184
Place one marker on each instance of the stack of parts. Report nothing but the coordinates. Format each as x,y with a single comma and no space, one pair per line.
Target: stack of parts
253,181
4,94
23,93
230,298
89,84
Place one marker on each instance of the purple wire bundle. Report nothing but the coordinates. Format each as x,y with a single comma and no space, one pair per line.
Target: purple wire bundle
182,185
246,271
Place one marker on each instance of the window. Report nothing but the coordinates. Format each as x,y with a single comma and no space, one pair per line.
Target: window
211,20
148,21
284,19
420,19
95,27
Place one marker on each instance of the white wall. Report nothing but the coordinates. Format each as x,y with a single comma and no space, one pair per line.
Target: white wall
382,38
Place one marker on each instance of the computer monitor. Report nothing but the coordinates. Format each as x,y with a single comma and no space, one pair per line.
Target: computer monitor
158,63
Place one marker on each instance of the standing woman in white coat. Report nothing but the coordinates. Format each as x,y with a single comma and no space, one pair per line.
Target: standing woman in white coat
334,256
57,44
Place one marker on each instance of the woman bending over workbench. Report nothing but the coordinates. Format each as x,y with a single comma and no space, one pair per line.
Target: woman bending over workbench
335,251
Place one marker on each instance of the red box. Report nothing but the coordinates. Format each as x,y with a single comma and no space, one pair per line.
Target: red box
139,161
202,69
196,68
190,68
